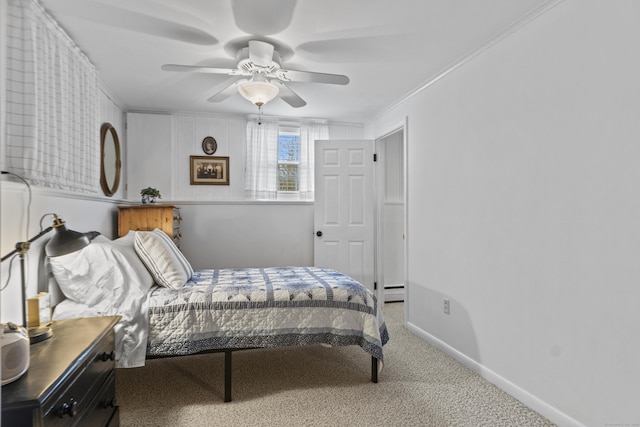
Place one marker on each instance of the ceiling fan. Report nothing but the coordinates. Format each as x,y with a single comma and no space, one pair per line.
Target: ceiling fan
259,76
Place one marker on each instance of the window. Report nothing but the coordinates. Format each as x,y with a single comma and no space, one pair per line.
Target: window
288,159
279,158
52,104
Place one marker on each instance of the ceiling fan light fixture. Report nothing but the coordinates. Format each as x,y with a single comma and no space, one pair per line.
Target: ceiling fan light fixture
258,91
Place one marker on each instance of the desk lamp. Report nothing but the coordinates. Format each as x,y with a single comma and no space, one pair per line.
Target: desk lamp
63,242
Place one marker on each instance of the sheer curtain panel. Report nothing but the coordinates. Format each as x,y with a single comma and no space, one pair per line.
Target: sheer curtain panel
52,110
261,165
310,131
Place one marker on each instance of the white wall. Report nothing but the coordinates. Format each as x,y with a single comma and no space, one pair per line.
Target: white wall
219,229
523,210
111,113
159,147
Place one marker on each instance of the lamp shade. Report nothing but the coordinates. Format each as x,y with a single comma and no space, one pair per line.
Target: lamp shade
65,241
258,90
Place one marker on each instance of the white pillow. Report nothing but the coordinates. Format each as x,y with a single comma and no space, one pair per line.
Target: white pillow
178,254
163,259
127,245
104,270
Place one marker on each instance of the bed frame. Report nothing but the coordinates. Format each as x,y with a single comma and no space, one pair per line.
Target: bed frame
46,283
228,370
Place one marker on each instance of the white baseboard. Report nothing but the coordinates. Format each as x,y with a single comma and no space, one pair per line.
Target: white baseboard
393,295
543,408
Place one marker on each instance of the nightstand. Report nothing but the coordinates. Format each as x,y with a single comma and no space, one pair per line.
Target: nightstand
71,378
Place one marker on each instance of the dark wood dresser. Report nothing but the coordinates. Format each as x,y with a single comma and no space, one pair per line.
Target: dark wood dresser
71,378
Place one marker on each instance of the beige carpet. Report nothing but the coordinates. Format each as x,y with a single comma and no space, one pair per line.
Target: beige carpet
319,386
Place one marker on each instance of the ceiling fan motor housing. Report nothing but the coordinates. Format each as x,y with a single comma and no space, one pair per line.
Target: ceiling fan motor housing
244,63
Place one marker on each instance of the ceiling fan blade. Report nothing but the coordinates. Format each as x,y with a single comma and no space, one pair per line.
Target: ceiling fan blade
289,96
200,69
263,17
260,53
227,91
311,77
106,14
360,49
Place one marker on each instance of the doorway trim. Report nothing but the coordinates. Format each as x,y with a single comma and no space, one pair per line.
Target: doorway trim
401,126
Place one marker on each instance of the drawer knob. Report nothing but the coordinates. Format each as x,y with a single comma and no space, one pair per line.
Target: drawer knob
109,403
70,409
108,356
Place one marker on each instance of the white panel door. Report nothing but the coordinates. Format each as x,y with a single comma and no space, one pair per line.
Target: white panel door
345,208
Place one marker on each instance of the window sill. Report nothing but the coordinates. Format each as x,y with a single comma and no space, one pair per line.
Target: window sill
291,196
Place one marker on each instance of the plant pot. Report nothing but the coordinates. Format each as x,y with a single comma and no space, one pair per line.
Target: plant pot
148,199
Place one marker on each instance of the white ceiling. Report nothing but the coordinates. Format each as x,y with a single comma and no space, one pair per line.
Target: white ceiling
388,48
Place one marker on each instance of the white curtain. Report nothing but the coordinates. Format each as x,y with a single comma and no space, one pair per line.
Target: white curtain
261,163
52,110
310,131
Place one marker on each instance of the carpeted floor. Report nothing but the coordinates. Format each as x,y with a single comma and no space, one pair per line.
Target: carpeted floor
319,386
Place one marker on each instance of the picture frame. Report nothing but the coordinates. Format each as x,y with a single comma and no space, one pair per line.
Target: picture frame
206,170
209,145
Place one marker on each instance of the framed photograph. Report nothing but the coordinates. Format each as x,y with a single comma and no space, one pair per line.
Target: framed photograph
209,145
209,170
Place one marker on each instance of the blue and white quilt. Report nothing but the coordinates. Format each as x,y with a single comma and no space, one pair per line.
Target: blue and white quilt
264,307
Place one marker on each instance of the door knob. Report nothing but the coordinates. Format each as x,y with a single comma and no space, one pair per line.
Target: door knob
319,233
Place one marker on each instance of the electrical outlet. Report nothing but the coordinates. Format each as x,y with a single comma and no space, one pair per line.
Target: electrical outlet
447,306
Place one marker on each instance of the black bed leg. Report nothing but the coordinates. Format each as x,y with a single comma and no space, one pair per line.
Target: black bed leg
374,369
227,375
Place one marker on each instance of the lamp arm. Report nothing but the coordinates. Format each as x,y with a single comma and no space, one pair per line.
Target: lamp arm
23,247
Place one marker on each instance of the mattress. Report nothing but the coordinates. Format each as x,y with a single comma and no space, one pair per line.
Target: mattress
264,307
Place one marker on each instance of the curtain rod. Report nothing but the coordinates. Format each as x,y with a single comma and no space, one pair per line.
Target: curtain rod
286,121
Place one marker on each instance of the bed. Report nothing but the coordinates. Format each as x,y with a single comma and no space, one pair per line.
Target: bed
169,310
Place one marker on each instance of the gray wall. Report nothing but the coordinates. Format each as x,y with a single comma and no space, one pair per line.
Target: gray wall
228,234
523,210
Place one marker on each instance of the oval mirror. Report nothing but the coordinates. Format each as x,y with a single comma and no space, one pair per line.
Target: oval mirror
109,159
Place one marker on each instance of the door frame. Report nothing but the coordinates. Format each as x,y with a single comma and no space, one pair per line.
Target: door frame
379,217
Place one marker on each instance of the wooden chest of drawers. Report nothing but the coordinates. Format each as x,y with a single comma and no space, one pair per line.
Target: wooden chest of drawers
148,217
70,380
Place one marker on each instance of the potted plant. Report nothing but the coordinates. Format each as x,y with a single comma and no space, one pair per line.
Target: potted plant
150,195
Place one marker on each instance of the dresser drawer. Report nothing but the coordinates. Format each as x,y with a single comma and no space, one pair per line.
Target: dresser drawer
75,399
176,216
177,219
103,406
